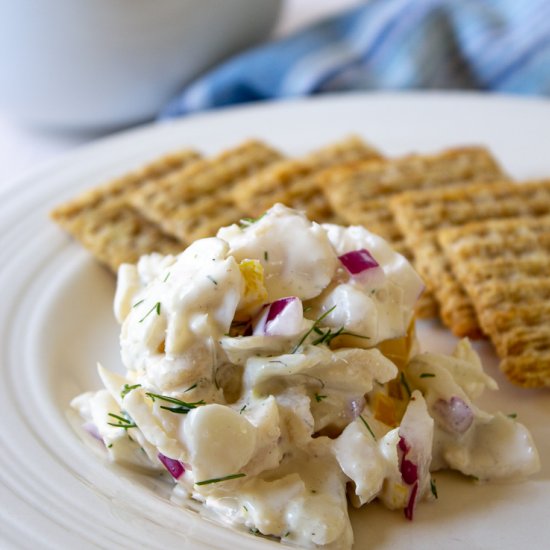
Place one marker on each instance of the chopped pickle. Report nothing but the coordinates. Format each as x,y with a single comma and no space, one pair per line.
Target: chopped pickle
399,350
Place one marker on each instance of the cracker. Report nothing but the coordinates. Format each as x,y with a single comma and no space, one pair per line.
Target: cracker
103,221
116,233
420,215
504,266
359,189
196,201
293,182
359,192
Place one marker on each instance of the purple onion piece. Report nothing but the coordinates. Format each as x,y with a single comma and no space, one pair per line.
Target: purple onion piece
282,317
358,261
408,469
175,467
355,406
454,415
278,306
91,428
409,509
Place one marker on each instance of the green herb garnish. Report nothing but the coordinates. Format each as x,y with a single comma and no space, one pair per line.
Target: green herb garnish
512,415
266,256
166,278
182,406
427,375
127,389
137,303
219,479
405,384
319,398
124,422
242,409
367,426
245,222
155,307
314,326
190,388
328,336
433,488
212,279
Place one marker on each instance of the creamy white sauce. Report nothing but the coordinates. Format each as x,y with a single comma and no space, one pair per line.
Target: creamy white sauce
266,418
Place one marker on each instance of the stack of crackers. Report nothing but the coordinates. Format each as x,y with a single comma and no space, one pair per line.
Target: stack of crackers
480,241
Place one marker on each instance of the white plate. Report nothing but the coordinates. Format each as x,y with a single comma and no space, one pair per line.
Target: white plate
56,322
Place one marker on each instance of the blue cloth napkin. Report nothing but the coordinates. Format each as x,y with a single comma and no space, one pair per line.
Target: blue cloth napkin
498,45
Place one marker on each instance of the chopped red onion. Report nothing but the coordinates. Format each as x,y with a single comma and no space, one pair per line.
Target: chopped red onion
454,415
91,428
277,307
409,474
175,467
282,317
358,261
409,470
363,267
356,405
409,509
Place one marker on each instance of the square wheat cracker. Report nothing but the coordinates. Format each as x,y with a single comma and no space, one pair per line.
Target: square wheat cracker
293,181
195,202
504,265
422,214
114,232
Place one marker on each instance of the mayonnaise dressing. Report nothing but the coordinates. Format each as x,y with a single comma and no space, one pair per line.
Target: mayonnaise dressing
253,376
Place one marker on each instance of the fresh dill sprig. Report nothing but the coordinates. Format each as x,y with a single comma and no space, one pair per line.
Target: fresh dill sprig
427,375
182,406
219,479
246,222
127,389
212,279
242,409
405,384
155,307
166,278
319,398
433,488
314,327
124,422
367,426
328,336
137,303
190,388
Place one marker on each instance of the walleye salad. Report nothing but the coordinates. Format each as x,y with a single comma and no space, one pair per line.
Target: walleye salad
273,372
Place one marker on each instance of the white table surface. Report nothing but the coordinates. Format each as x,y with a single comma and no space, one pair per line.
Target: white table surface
23,147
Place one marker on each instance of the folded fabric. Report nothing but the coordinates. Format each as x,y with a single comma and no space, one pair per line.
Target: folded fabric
498,45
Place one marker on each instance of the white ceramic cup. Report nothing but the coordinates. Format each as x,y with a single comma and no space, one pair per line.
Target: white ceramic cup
101,64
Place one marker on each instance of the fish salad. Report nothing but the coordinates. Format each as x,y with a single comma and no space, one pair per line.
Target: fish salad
273,372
